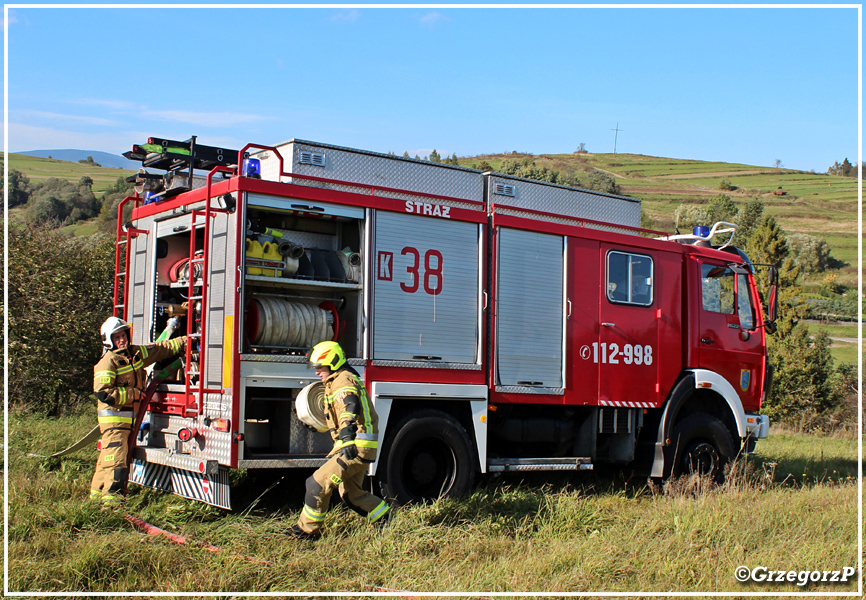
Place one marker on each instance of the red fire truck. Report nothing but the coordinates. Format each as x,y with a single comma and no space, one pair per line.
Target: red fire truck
499,324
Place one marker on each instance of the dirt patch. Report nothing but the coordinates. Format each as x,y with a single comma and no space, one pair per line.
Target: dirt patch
712,174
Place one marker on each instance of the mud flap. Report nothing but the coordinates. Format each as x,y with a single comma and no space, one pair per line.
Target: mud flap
210,489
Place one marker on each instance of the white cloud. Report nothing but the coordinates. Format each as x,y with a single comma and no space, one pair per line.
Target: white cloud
112,104
29,137
220,119
347,16
38,115
433,19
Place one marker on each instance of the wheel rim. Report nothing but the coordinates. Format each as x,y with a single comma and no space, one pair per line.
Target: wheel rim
702,459
429,469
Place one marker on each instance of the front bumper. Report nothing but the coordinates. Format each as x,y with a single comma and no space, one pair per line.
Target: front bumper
757,427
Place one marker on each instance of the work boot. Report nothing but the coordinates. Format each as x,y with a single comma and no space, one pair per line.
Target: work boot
385,520
112,501
299,534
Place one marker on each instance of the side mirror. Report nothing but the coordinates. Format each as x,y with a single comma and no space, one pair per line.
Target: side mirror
772,304
745,335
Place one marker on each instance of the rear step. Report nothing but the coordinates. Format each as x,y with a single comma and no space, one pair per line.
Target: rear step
571,463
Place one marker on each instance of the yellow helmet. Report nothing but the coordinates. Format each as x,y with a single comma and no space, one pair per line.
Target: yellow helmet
326,354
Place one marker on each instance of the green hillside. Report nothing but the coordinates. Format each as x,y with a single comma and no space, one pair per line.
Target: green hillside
816,204
39,169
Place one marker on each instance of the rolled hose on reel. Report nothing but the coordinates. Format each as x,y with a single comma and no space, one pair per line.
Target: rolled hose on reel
277,322
310,406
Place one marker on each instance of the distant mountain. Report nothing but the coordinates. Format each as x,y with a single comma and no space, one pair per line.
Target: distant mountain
112,161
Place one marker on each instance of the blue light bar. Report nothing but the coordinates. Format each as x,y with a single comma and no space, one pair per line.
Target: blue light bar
252,168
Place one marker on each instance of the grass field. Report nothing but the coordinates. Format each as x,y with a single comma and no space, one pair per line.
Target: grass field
793,507
39,169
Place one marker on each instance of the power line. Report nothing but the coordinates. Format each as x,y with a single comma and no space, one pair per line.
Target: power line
617,130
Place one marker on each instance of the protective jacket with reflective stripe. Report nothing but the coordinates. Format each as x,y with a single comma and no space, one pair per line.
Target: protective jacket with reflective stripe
119,376
347,404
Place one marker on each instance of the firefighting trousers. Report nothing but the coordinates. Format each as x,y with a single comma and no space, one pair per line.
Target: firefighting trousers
347,478
112,471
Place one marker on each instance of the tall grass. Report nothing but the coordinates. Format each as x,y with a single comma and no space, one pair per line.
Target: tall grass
791,507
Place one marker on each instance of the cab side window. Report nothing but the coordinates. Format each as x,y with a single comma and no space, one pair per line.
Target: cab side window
717,289
629,278
744,303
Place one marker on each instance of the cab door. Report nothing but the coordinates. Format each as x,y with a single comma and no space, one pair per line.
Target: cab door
729,342
627,349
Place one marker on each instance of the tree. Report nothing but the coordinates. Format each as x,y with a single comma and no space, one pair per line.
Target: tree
810,253
748,219
19,188
434,156
687,216
778,163
846,169
405,154
722,208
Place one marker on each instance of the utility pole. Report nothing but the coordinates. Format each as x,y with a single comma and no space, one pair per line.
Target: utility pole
617,130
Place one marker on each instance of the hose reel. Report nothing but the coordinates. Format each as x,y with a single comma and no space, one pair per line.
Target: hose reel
277,322
310,406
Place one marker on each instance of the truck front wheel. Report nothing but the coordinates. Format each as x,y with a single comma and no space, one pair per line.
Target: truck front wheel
700,444
428,455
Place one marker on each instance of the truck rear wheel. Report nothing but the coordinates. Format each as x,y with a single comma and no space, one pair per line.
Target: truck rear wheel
428,455
700,444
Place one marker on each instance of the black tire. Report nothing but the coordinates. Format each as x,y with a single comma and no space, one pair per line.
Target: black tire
700,444
427,455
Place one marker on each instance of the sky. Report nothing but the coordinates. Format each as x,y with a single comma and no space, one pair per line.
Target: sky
731,84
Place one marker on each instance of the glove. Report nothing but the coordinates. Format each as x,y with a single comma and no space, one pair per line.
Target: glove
349,452
347,434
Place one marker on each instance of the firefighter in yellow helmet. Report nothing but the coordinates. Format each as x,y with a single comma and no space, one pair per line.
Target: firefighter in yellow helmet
118,382
352,421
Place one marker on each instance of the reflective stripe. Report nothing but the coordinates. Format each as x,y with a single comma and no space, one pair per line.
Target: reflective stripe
313,514
144,353
122,396
378,512
129,368
111,374
367,436
347,415
115,420
115,413
367,444
341,444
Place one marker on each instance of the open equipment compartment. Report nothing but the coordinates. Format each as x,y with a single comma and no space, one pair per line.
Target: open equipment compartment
303,281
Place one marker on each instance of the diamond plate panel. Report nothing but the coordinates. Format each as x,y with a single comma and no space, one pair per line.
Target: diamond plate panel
519,389
427,365
375,169
561,200
209,444
516,212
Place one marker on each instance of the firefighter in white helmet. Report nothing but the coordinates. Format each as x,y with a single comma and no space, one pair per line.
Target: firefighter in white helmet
118,382
352,421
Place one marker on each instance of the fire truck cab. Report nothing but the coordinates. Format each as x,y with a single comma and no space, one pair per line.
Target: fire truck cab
499,324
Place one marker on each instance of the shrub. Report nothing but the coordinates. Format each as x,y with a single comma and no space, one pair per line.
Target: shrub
810,253
60,292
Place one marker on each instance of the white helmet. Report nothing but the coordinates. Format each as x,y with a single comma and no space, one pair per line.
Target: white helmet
111,326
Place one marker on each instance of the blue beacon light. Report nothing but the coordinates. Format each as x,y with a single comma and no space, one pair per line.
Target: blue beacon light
252,168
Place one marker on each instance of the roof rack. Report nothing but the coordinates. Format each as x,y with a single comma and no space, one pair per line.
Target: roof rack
172,156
